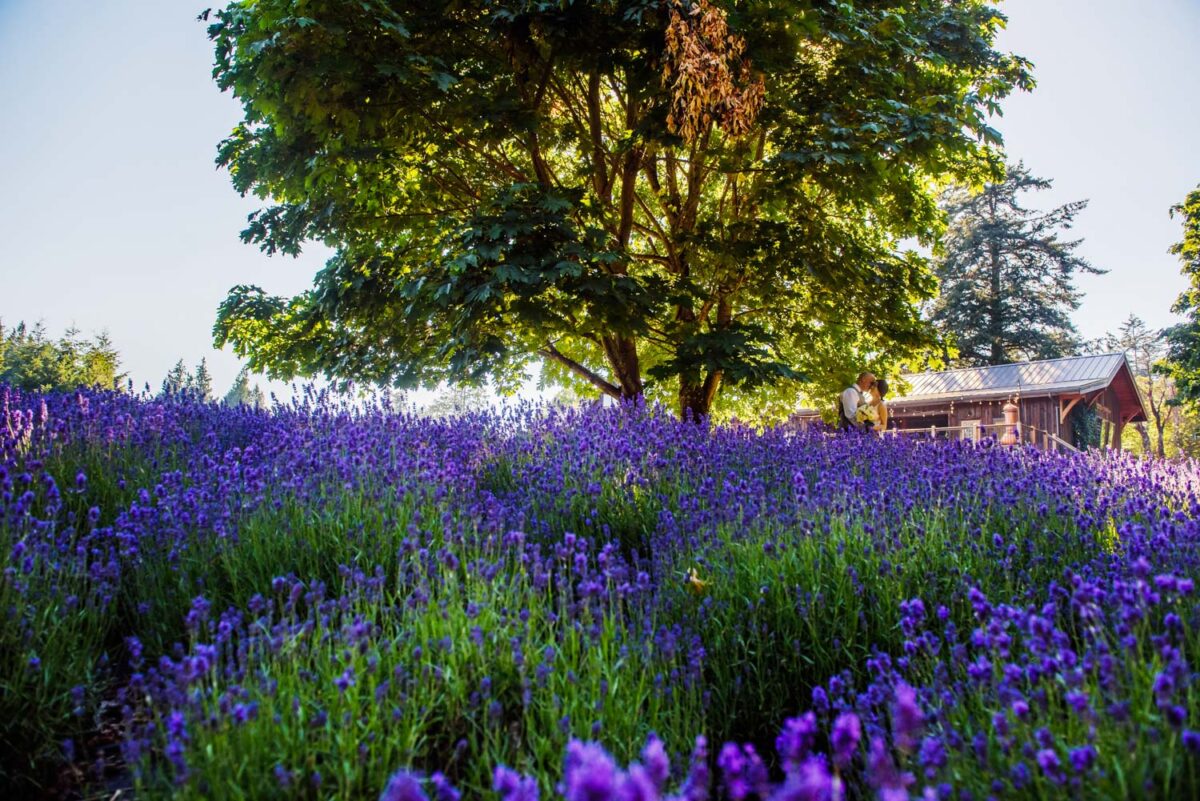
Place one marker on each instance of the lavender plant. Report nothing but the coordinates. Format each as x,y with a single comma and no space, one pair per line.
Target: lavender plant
336,601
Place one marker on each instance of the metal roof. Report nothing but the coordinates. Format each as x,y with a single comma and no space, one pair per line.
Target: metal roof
1074,374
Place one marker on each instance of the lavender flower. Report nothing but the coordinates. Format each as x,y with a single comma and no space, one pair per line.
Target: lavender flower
843,739
403,786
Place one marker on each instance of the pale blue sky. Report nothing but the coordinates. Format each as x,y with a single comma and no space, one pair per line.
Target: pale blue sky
113,216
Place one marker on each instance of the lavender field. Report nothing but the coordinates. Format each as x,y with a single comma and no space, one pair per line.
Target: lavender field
319,602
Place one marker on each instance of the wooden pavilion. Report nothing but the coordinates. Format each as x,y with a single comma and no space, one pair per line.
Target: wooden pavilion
970,402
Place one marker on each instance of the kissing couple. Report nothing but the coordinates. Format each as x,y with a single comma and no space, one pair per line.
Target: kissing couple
861,406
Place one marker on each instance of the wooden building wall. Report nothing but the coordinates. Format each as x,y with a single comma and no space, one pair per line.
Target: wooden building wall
1117,405
1042,414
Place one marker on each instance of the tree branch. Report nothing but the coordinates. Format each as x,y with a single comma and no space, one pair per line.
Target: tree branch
600,179
607,387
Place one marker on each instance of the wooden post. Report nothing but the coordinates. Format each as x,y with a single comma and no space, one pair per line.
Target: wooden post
1012,426
1118,429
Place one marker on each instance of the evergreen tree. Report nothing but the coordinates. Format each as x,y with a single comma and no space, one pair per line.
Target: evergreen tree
29,359
239,391
201,382
1183,354
178,379
257,399
243,393
99,362
1008,279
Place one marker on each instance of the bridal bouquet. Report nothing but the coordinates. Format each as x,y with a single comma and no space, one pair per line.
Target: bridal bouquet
867,414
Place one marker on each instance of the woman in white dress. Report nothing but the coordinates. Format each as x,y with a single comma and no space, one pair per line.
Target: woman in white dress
878,395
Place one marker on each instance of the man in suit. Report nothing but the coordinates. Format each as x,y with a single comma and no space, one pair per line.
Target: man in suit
851,398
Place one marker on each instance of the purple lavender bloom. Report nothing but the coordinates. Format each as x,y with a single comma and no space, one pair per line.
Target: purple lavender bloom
1082,758
882,774
244,712
443,789
1077,700
907,718
742,771
844,738
696,786
512,786
1051,765
810,781
1164,686
403,786
820,700
590,774
656,762
796,739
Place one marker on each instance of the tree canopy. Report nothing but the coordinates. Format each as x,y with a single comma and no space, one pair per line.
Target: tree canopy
660,197
181,381
32,361
243,393
1145,349
1007,278
1183,356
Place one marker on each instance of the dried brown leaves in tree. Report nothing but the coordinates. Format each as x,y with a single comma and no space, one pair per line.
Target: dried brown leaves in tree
706,74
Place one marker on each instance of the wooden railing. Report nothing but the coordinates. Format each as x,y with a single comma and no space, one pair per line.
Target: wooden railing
1025,434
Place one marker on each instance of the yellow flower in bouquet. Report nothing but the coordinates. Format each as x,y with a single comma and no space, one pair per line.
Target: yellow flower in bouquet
866,414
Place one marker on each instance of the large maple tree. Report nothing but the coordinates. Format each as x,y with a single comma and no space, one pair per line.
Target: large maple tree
660,197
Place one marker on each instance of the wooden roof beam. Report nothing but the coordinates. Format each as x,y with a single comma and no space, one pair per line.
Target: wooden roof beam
1063,411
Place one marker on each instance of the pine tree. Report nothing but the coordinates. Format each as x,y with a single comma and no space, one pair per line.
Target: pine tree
201,382
243,393
178,379
1008,279
99,362
29,359
239,393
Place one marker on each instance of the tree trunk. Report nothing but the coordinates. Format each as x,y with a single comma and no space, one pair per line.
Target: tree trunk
622,355
696,397
1157,413
996,310
1144,433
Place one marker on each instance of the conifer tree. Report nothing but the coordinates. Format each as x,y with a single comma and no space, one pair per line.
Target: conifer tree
201,382
29,359
243,393
1007,275
239,391
178,379
257,399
